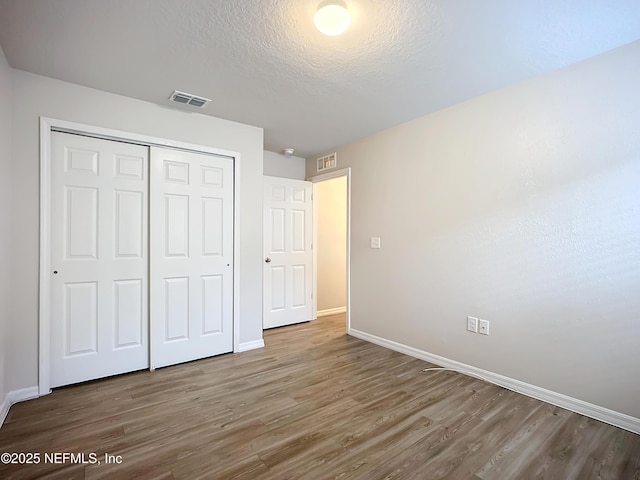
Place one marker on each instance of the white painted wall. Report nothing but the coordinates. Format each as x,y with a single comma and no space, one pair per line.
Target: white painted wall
521,207
5,213
331,208
40,96
277,165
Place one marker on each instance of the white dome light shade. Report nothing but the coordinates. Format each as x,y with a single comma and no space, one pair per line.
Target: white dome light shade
332,19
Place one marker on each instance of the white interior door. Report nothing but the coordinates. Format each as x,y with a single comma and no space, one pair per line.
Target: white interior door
99,299
191,256
287,273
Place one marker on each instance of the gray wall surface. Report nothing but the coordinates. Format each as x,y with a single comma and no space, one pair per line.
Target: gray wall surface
521,207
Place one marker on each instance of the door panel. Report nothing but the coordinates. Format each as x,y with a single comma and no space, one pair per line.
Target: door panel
213,300
129,221
129,322
287,246
177,309
99,226
80,318
81,219
191,256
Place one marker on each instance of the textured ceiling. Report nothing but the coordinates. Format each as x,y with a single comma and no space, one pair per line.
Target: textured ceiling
263,63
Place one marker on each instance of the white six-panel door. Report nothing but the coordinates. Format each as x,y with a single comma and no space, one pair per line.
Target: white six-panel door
141,257
99,258
287,272
191,256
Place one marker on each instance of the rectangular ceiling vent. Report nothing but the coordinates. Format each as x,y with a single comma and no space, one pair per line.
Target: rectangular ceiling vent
188,99
327,162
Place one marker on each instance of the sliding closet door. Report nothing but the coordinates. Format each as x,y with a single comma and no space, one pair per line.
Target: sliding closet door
191,256
99,258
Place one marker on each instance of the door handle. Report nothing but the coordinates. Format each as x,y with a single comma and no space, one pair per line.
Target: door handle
268,260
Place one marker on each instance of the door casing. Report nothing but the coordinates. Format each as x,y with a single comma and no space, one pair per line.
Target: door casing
49,125
343,172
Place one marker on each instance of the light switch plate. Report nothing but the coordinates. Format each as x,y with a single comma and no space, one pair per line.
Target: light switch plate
375,242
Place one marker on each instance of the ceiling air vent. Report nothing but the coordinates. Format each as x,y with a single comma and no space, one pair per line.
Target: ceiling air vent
327,162
188,99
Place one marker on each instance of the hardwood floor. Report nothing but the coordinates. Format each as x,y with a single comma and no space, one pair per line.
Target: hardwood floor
313,404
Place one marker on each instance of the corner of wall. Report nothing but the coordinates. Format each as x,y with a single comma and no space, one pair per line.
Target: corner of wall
14,397
4,409
6,111
278,165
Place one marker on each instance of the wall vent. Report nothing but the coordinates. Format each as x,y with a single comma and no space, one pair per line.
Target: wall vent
188,99
328,161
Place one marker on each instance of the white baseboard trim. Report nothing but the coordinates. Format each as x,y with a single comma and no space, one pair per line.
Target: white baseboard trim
597,412
4,409
245,347
16,396
331,311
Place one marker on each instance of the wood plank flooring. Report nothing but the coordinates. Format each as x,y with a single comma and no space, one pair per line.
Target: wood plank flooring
314,404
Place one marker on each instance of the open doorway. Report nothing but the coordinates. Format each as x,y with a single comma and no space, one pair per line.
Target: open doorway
331,195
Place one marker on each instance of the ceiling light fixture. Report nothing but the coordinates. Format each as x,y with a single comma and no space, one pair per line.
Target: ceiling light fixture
332,18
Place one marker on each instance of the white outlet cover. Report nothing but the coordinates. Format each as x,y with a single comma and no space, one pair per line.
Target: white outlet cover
375,242
472,324
484,327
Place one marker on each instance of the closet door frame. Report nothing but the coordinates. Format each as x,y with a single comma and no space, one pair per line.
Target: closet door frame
49,125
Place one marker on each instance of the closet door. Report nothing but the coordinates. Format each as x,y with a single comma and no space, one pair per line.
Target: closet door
99,258
191,256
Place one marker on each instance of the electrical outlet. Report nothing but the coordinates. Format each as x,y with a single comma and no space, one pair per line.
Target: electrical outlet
484,327
375,242
472,324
